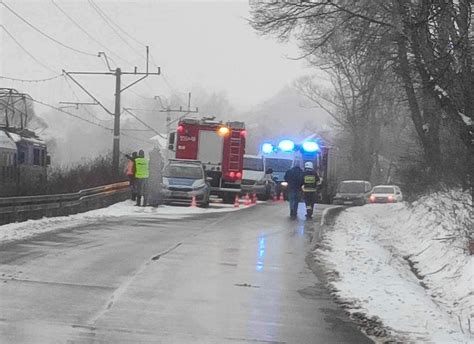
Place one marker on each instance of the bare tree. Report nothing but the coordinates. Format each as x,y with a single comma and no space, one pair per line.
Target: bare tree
428,41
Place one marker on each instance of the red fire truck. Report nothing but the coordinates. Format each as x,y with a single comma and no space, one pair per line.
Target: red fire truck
219,146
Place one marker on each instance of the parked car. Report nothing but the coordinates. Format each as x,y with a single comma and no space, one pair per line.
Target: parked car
183,180
386,194
255,179
353,192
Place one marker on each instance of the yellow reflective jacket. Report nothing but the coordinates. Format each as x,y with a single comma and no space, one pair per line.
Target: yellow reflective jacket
141,168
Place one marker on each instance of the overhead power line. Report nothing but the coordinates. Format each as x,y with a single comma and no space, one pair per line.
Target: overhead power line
77,98
31,80
118,26
144,123
71,114
26,51
109,22
79,26
45,34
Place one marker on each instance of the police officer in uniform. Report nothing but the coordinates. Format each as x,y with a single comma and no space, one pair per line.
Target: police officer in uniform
141,177
311,182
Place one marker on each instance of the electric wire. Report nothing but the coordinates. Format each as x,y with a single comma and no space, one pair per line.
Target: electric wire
108,22
71,114
26,51
79,26
77,98
142,122
31,80
45,34
116,25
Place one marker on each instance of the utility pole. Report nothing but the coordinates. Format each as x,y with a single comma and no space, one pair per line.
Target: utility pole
118,90
116,146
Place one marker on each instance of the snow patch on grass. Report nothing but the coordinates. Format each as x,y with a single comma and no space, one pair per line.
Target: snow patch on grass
407,265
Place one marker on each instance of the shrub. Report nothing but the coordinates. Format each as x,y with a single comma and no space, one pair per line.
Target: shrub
95,172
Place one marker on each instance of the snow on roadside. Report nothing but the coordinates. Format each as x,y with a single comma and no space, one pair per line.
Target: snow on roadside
407,266
22,230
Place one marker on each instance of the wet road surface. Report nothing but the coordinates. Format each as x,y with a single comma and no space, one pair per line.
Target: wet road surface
219,278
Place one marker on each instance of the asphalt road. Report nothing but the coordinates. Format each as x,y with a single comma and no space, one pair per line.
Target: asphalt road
217,278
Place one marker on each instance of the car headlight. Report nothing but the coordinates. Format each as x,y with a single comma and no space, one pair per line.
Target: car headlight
284,184
198,184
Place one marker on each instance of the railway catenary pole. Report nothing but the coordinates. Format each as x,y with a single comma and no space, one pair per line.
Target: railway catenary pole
116,144
118,91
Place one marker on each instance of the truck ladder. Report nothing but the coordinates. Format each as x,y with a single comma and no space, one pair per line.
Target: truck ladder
235,151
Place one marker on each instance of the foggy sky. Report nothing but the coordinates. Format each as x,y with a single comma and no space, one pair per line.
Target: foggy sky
205,47
209,44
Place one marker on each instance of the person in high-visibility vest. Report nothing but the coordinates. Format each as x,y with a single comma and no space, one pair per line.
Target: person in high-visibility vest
142,172
310,187
131,173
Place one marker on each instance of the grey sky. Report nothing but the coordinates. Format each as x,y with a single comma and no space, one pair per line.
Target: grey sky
196,43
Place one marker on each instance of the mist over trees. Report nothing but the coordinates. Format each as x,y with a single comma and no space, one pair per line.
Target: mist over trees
402,80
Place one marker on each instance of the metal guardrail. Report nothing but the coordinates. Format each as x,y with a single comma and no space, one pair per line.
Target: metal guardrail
14,209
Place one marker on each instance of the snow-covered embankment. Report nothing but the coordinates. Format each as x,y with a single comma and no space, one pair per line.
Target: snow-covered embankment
406,266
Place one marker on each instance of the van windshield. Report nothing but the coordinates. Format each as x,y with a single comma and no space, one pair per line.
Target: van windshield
351,187
278,165
253,164
183,171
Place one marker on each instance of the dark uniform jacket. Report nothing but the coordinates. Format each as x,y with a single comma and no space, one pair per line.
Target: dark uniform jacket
311,180
294,178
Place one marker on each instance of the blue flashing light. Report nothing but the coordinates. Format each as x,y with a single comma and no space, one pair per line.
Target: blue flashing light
267,148
310,146
286,145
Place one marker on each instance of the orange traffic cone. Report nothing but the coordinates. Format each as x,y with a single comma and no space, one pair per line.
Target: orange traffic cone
193,202
247,200
237,201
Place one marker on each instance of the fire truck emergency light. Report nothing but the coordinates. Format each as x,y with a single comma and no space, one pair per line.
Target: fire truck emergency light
223,131
286,145
310,146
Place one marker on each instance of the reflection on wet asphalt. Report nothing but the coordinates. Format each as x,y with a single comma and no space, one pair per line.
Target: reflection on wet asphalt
220,278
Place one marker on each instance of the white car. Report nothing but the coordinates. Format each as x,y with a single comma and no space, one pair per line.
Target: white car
386,194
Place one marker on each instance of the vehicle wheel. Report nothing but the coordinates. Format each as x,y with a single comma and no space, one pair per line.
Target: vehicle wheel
228,198
265,196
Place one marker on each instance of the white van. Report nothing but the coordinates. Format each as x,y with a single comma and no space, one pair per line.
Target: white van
255,179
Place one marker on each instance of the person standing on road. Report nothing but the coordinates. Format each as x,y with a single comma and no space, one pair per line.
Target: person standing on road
294,178
311,182
131,173
141,177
